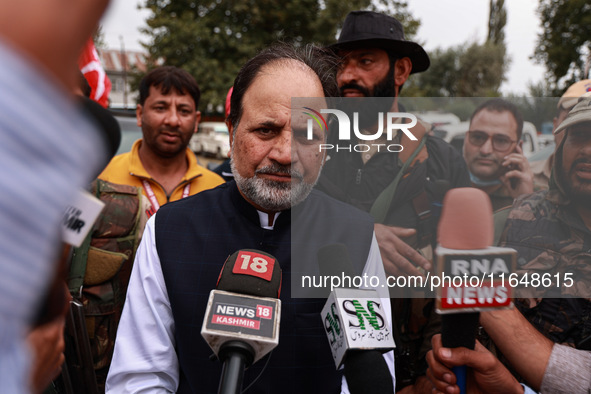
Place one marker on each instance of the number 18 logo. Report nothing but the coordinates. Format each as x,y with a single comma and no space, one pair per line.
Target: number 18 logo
254,264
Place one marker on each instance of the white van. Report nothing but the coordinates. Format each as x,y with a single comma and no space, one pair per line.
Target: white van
211,138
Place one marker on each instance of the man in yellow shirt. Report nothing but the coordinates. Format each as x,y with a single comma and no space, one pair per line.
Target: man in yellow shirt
160,162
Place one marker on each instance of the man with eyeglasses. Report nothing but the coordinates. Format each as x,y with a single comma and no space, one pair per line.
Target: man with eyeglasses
494,155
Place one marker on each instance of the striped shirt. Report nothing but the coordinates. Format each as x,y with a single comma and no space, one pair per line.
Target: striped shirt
47,151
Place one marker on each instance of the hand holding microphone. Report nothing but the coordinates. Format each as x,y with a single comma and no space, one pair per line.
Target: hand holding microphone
490,375
465,256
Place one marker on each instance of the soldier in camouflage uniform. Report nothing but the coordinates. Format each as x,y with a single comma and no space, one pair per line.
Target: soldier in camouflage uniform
551,231
98,278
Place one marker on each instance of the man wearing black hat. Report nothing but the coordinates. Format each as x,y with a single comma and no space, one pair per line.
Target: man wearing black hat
376,62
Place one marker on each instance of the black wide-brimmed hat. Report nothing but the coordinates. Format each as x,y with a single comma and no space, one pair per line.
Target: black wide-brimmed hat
373,30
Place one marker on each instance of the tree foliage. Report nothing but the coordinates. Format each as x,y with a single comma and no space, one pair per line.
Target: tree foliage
564,44
482,70
470,69
213,39
497,19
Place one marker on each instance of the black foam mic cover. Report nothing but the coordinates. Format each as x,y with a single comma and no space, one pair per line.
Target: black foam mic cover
459,329
251,272
367,372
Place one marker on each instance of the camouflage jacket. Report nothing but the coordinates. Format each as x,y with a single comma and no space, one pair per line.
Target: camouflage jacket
551,239
107,262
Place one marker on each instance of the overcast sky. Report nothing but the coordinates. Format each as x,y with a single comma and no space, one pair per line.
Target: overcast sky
444,23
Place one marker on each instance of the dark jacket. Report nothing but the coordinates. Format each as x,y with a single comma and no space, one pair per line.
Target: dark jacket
348,179
551,239
194,236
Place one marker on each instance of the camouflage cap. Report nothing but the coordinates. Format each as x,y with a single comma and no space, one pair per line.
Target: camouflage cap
572,94
579,114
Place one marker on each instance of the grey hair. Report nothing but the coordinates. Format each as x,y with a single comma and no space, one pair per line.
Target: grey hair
321,61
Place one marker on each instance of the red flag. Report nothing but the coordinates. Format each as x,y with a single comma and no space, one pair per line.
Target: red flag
94,73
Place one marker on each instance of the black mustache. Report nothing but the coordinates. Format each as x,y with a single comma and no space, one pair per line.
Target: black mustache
491,157
363,90
582,160
169,130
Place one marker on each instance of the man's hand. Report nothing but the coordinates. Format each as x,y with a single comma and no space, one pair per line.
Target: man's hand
487,374
520,178
399,258
47,344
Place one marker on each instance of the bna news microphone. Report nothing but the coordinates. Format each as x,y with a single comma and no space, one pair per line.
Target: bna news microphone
470,268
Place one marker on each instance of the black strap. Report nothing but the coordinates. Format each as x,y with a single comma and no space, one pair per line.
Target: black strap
381,205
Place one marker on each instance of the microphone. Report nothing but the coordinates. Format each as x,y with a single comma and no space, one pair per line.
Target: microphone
241,323
366,371
79,217
356,326
470,270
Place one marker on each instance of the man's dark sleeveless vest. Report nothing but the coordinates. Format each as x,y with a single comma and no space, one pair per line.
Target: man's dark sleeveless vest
194,236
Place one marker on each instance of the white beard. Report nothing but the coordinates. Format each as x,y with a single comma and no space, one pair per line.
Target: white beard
270,195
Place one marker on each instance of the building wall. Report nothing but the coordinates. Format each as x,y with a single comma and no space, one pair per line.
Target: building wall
118,66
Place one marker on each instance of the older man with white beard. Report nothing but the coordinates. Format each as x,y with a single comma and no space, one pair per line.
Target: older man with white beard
271,207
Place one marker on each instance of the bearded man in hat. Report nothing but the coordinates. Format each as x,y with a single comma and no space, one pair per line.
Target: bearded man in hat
376,62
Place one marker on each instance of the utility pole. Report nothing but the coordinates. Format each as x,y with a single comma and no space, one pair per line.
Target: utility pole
124,66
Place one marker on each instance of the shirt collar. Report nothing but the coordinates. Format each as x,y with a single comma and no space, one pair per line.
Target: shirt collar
264,220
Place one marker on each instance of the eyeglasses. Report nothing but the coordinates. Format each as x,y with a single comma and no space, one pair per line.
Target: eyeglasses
500,142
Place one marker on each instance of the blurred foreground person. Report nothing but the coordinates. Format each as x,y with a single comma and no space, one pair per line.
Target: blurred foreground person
49,149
